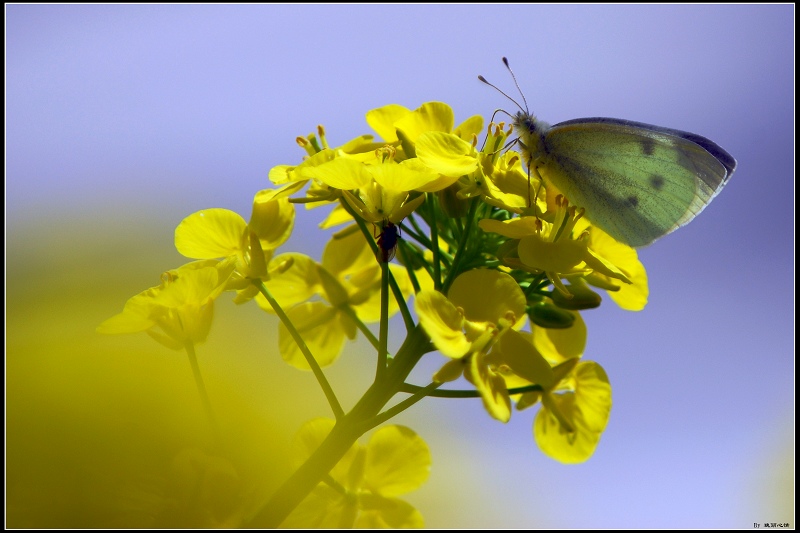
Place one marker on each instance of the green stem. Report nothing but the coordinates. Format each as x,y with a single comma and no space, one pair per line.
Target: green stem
408,320
451,393
437,266
346,309
398,294
405,404
384,326
420,238
336,407
462,245
343,435
419,235
204,399
411,274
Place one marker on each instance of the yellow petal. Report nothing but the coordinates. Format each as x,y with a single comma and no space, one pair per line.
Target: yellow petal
487,295
523,359
402,177
469,128
491,386
366,302
442,322
593,392
378,512
272,219
281,174
338,215
450,371
309,437
398,461
340,173
138,315
560,257
631,297
515,228
192,286
320,331
359,145
209,234
346,253
382,120
446,154
586,410
296,284
430,116
558,345
324,508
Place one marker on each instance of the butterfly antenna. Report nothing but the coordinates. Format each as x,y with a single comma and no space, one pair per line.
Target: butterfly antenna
496,88
505,62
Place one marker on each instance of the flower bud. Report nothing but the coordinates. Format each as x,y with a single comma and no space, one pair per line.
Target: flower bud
452,205
582,297
550,316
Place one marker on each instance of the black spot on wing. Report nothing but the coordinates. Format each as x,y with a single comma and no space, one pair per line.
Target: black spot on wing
633,201
657,182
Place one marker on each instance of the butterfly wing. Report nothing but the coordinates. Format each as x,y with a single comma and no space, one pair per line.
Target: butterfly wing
637,182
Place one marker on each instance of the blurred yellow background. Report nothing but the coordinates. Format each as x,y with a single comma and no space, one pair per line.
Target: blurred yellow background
108,431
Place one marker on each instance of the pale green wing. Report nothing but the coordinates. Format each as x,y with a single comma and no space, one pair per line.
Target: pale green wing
637,182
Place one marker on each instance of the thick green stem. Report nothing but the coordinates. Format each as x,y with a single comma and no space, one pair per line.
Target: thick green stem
343,435
405,404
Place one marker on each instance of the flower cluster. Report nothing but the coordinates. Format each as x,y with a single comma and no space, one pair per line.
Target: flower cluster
500,267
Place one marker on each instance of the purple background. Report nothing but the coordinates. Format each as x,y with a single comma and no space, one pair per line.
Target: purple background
148,113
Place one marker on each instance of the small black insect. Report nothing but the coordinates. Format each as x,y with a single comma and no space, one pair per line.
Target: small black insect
387,241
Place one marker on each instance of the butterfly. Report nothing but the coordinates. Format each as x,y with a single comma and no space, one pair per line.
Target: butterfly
637,182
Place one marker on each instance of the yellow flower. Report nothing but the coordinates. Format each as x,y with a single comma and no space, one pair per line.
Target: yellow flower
629,296
551,247
474,325
382,186
366,482
220,233
497,177
574,412
178,311
402,127
576,404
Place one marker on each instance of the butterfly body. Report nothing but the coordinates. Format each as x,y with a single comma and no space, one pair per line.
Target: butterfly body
636,181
